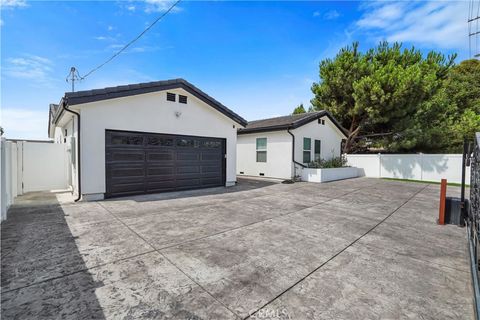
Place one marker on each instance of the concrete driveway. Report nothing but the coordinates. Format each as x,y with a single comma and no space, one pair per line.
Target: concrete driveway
352,249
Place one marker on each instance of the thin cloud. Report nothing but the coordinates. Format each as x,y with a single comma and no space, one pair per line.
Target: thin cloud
105,38
437,24
10,4
331,15
160,6
29,67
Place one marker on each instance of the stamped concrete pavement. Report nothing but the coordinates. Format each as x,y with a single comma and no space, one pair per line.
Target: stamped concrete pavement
352,249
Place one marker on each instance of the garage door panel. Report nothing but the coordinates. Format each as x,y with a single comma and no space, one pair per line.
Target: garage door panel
211,156
127,184
138,163
126,155
188,183
160,171
215,181
188,170
210,169
167,155
123,172
158,186
188,156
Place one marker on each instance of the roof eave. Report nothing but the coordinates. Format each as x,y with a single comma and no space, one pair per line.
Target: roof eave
296,124
264,129
170,84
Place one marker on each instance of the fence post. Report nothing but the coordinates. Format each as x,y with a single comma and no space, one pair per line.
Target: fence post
443,196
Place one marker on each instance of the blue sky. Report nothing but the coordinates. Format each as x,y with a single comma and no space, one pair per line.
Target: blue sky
257,58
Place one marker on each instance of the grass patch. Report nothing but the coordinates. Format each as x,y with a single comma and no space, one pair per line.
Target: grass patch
453,184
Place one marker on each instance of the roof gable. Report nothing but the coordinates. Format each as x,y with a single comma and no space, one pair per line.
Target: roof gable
81,97
288,122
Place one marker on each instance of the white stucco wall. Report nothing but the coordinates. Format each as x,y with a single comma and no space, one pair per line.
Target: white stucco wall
328,134
279,155
149,112
68,122
279,149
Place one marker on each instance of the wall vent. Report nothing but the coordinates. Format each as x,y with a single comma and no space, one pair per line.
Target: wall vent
241,172
182,99
171,96
262,174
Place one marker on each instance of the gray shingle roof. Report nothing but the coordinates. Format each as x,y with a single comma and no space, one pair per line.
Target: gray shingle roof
80,97
287,122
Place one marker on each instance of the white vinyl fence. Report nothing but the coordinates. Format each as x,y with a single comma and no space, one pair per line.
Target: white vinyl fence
27,166
426,167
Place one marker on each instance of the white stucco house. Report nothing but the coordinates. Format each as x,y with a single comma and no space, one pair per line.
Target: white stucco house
281,147
145,138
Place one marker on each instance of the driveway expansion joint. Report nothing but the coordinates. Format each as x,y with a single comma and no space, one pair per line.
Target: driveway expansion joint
335,255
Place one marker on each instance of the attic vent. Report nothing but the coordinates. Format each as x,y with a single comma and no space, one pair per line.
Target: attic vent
321,121
241,172
262,174
182,99
170,96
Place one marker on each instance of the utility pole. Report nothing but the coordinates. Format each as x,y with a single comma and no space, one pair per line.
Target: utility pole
72,77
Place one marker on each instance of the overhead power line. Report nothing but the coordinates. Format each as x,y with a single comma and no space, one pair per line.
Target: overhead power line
133,41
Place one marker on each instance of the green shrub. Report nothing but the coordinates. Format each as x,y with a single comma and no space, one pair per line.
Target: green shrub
335,162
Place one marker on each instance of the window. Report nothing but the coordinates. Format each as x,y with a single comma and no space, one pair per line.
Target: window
307,147
182,99
261,149
171,96
156,141
211,144
318,145
185,143
127,140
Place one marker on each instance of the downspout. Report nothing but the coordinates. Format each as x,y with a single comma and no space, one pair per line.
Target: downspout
79,172
293,155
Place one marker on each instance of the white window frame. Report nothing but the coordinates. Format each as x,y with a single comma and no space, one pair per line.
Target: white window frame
307,150
261,149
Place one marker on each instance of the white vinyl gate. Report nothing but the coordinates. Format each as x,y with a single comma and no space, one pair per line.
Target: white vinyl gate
44,166
28,166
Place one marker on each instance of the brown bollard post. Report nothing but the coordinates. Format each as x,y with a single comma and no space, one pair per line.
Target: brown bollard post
443,196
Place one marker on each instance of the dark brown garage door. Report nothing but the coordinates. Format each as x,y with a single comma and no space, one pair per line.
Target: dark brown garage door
138,162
